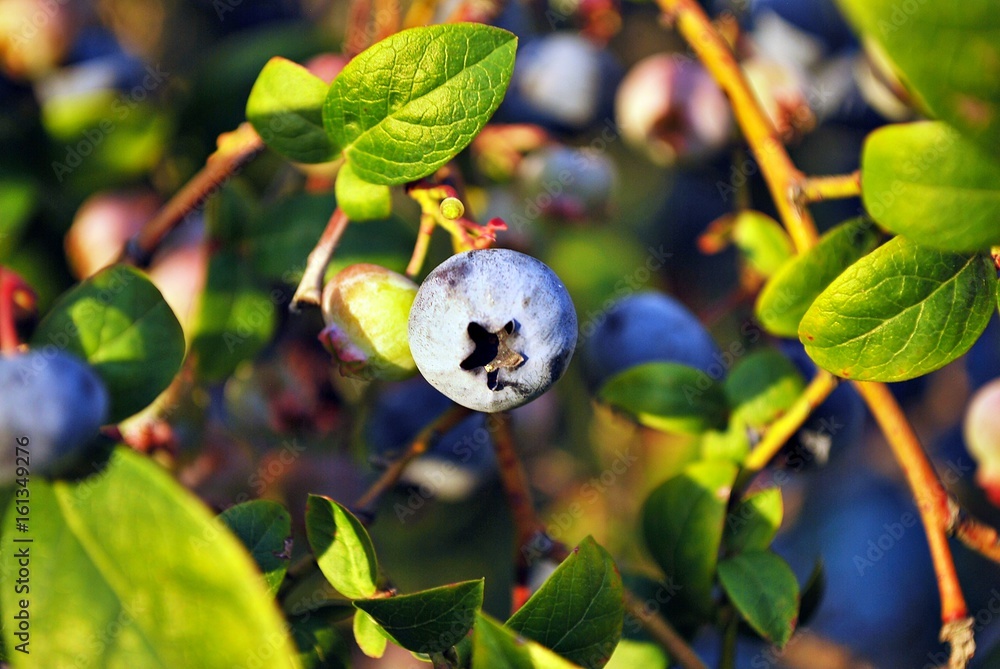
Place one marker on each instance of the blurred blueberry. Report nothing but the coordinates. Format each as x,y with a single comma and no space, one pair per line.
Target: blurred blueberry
834,425
456,464
98,54
819,18
646,327
982,362
53,405
561,81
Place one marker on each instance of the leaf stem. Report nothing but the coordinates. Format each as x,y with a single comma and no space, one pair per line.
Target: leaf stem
776,166
234,150
782,429
729,635
838,187
310,289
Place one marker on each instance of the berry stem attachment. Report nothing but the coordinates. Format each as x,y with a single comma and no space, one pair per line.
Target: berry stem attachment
310,289
782,429
234,150
776,166
838,187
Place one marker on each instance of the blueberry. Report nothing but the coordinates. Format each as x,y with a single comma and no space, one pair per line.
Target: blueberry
492,329
457,462
567,183
647,327
57,402
819,18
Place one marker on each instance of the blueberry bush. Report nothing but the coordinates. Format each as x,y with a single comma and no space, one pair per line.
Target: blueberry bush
486,333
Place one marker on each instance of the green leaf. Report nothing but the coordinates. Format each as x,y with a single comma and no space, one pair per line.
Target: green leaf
682,522
947,54
342,547
922,308
926,181
762,386
496,646
360,200
812,593
320,645
579,611
668,396
430,621
236,317
631,654
787,296
370,637
763,589
18,201
118,321
763,241
143,575
407,105
265,528
731,444
754,521
285,107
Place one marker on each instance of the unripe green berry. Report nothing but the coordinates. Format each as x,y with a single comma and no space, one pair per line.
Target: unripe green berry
366,308
452,208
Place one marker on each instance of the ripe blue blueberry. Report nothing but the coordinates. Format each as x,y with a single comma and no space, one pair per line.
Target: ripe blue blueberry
492,329
567,183
648,327
57,402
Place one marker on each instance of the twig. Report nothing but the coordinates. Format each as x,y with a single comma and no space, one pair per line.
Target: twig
445,422
776,166
664,634
782,429
515,485
817,189
234,150
310,290
976,535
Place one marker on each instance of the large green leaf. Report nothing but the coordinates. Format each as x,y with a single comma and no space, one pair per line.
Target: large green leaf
787,296
926,181
131,570
683,521
285,107
119,322
579,611
370,637
236,317
668,396
265,528
762,386
342,548
496,646
430,621
763,589
754,521
948,54
407,105
900,312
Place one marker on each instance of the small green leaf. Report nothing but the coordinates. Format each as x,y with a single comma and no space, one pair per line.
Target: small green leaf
265,528
18,201
360,200
947,54
787,295
762,386
668,396
370,637
631,654
579,611
143,574
407,105
342,548
731,444
119,322
922,308
496,646
236,317
320,645
285,107
926,181
763,589
763,241
754,521
682,522
430,621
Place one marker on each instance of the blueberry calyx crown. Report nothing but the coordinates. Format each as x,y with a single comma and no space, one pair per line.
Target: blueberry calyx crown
492,352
